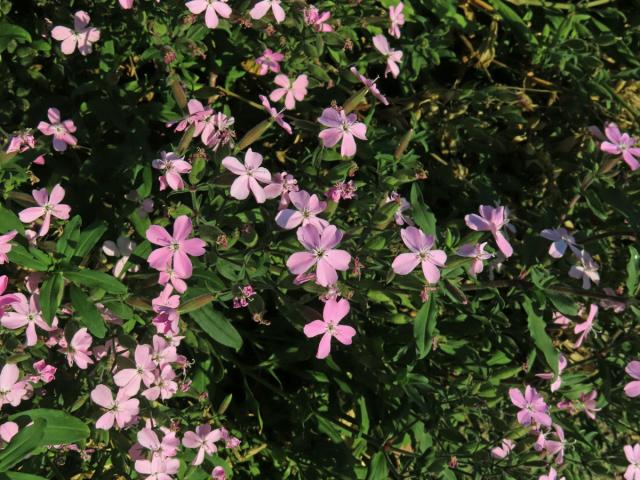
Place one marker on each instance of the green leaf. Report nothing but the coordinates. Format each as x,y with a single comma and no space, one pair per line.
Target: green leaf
89,316
540,338
563,304
89,238
60,426
424,325
20,476
23,444
632,271
217,327
69,239
422,214
51,296
93,279
9,221
21,256
196,303
378,469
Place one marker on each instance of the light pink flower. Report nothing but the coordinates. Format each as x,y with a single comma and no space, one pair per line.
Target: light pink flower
26,313
393,57
317,20
171,166
164,386
308,207
21,143
204,439
321,253
560,239
553,475
176,248
282,185
163,352
8,430
212,9
341,127
168,275
218,473
477,253
329,327
120,411
587,270
218,131
158,468
60,129
82,35
261,8
504,449
5,300
198,113
249,175
396,17
621,144
371,86
5,245
556,447
129,379
292,91
166,305
532,405
11,390
149,440
421,254
48,206
341,191
632,389
560,319
403,205
269,60
77,350
277,116
491,220
562,364
46,373
588,401
123,247
609,304
126,4
633,457
585,327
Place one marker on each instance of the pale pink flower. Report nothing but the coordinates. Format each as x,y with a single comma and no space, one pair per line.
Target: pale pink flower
46,373
403,205
149,440
491,220
396,17
261,8
556,447
321,253
269,61
532,405
341,191
11,390
164,386
212,9
82,35
21,143
123,247
120,411
562,364
5,245
249,175
308,207
609,304
163,352
77,350
282,185
291,91
393,57
26,313
246,293
8,430
329,327
633,457
553,475
168,275
317,20
218,473
5,300
48,206
588,401
198,113
585,327
371,86
218,131
204,439
632,389
166,305
561,320
504,449
477,253
421,254
561,239
587,270
126,4
60,129
343,128
158,468
176,248
277,116
621,144
129,379
172,166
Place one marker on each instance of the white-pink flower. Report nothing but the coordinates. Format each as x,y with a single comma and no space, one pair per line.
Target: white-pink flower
48,206
308,207
61,130
82,35
120,411
5,245
204,439
292,91
158,468
278,116
478,255
328,327
171,166
11,390
260,9
421,254
26,313
212,9
341,127
396,17
129,379
249,175
77,350
393,57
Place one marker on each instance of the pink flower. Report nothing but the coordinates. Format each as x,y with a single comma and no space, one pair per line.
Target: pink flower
587,270
172,166
197,116
260,9
553,475
556,447
632,389
328,327
585,327
5,300
308,207
421,254
561,239
8,430
249,175
212,9
163,352
633,457
126,4
562,364
532,405
175,249
503,450
609,304
621,144
166,305
46,373
149,440
393,57
26,313
245,294
48,206
588,401
11,390
122,410
129,379
204,439
403,205
292,91
277,116
269,60
158,468
123,248
5,246
491,220
341,191
320,252
341,127
477,253
21,143
218,473
396,17
82,35
164,386
282,185
60,129
168,275
317,20
77,350
371,86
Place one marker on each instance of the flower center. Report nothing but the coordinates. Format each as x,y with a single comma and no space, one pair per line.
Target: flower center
318,253
174,246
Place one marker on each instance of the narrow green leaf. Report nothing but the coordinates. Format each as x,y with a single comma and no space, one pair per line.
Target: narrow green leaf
87,313
9,221
217,327
632,271
51,294
424,325
196,303
89,238
540,338
422,214
93,279
20,476
21,256
378,469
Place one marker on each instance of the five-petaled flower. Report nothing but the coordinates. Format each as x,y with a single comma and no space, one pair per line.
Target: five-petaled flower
60,129
328,327
249,175
82,35
212,9
120,410
261,8
308,207
49,205
633,457
291,91
396,17
393,57
341,127
618,143
532,405
171,166
561,239
421,254
491,220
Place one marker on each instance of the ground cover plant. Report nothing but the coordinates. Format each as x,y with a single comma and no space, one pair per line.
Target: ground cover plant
341,240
